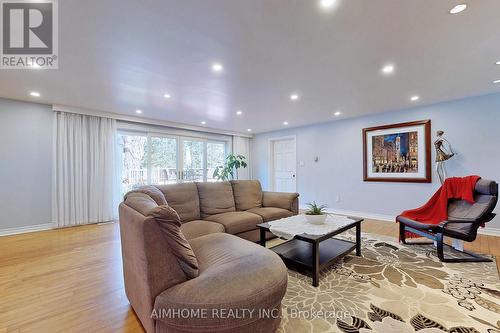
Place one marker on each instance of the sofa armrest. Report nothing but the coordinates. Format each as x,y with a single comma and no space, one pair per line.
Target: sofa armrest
288,201
147,269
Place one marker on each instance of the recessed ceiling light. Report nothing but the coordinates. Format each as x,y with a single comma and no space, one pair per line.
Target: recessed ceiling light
167,96
338,113
249,129
327,4
138,111
285,123
496,81
239,112
388,69
415,98
497,63
203,122
217,67
294,97
458,8
35,94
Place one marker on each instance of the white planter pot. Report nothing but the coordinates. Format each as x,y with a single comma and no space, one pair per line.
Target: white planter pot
316,219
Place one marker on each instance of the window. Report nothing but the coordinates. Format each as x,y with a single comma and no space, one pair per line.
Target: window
134,161
192,160
148,158
216,155
163,160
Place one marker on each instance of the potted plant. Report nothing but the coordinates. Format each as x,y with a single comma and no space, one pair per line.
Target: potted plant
230,168
316,214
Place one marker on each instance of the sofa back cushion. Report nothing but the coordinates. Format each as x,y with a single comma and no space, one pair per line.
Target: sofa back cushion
140,202
215,198
247,194
152,191
170,225
183,198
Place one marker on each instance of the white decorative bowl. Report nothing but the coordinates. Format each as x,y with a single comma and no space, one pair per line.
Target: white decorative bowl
316,219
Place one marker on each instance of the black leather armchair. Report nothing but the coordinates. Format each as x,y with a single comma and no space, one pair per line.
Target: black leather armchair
464,219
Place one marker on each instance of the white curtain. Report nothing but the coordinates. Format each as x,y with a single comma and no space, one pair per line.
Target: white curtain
84,166
241,146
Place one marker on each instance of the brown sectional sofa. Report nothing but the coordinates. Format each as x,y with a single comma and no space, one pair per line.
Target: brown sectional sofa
234,273
238,206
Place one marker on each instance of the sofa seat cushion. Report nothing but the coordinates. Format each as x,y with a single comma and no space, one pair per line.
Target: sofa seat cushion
234,274
247,194
271,213
215,198
197,228
236,222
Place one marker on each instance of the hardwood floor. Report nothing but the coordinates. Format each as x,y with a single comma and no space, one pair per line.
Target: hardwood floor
67,280
70,280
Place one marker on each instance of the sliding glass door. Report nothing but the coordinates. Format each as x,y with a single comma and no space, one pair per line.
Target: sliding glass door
216,156
200,158
162,159
133,164
193,156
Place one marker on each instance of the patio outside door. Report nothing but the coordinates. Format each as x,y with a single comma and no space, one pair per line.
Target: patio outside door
193,160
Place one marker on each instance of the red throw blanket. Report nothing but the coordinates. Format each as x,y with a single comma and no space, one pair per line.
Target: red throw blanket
435,210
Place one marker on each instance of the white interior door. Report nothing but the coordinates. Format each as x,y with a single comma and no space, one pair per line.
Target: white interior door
284,165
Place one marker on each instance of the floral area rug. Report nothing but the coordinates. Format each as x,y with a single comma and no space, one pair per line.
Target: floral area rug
394,288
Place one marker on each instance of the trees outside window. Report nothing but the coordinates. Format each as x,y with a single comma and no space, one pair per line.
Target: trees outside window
166,160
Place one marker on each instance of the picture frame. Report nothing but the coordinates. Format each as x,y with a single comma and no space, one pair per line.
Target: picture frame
398,153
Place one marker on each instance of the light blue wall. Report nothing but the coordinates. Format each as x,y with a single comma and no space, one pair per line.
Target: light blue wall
471,125
25,164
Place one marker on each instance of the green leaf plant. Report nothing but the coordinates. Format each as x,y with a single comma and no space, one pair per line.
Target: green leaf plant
314,209
229,170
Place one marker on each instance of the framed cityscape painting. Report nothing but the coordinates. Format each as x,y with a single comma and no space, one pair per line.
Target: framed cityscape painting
398,152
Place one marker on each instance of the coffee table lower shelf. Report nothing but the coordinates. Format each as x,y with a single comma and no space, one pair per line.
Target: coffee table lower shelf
315,252
299,253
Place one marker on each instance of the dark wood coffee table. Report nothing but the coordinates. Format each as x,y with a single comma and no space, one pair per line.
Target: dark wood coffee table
312,252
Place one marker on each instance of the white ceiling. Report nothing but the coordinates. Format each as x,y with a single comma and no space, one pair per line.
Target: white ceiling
121,55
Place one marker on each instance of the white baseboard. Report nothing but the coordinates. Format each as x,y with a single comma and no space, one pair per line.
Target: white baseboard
30,228
390,218
489,231
107,222
372,216
366,215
